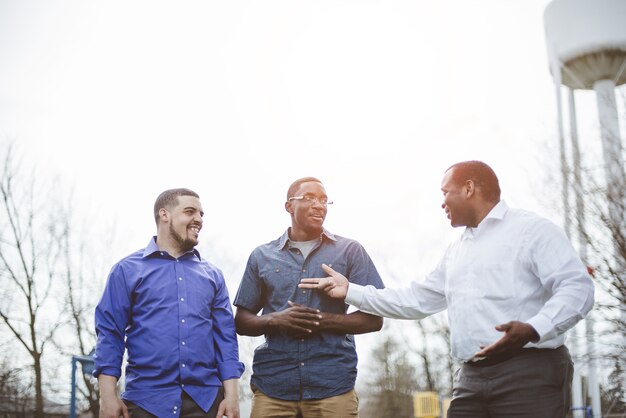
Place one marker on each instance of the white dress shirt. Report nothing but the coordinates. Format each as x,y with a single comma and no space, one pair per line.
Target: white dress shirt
514,265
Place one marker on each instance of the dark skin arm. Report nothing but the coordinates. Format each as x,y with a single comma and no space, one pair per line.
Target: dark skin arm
353,323
299,320
295,320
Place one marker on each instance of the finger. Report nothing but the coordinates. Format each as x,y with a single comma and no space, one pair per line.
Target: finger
125,413
319,283
306,318
301,309
484,352
220,410
311,280
491,348
295,329
504,327
328,270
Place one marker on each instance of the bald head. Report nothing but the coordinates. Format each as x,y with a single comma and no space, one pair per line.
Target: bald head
483,177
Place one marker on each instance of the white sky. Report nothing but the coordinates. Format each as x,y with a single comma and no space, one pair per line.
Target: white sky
235,99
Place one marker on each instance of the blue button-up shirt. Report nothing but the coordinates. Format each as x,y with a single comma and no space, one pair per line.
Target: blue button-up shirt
311,367
175,319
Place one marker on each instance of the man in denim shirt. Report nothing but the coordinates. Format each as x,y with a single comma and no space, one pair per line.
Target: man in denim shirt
307,365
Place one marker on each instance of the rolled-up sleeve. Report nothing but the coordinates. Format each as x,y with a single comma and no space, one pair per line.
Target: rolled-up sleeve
226,346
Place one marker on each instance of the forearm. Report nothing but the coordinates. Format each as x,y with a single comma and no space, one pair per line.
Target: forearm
250,324
415,302
108,386
231,388
353,323
110,404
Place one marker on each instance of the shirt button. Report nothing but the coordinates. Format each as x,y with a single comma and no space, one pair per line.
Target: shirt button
180,278
182,299
175,407
183,343
303,270
184,365
182,386
301,364
182,320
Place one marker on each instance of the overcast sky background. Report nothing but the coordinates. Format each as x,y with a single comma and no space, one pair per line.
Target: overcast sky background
236,99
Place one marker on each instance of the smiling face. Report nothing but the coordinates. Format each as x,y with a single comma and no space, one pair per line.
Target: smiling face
456,201
307,218
184,222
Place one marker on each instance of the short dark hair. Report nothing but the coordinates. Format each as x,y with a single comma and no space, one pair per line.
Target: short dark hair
296,185
169,198
481,174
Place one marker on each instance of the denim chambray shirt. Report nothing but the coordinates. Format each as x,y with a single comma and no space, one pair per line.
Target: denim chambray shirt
320,365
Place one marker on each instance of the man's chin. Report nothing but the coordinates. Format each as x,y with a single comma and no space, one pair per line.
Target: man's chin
189,244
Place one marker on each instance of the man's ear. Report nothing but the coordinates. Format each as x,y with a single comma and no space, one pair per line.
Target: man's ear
164,215
288,207
469,188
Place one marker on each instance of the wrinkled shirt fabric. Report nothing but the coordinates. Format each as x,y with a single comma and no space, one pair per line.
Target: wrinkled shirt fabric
174,318
514,265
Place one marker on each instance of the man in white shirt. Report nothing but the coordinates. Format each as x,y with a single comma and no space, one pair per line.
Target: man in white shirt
512,284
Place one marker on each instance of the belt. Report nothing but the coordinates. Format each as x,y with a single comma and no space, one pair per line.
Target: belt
502,357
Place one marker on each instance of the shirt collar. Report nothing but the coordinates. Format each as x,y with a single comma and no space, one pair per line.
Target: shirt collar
153,248
284,239
496,213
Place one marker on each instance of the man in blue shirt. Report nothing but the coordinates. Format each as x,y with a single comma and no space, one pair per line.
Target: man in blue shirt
307,366
170,309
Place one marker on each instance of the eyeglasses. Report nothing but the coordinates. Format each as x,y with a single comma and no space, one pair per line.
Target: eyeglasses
311,200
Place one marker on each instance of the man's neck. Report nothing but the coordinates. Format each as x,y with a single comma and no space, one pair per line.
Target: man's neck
170,246
483,211
301,235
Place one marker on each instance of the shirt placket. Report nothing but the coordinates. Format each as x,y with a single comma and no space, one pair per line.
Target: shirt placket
183,327
304,298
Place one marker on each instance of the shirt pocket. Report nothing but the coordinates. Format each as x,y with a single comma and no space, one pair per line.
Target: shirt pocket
281,283
497,282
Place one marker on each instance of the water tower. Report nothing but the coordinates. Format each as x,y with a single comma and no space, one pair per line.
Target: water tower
586,42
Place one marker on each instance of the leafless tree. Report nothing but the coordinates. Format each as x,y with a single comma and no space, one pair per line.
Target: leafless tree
81,275
433,347
14,392
392,380
598,227
28,254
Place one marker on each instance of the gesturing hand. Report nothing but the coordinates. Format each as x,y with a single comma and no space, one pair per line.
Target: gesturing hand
516,335
335,285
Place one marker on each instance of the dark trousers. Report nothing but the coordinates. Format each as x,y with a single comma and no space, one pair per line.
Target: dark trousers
189,408
535,383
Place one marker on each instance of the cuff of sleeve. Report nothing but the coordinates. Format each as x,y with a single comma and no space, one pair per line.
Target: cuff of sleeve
543,326
109,371
230,370
355,294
